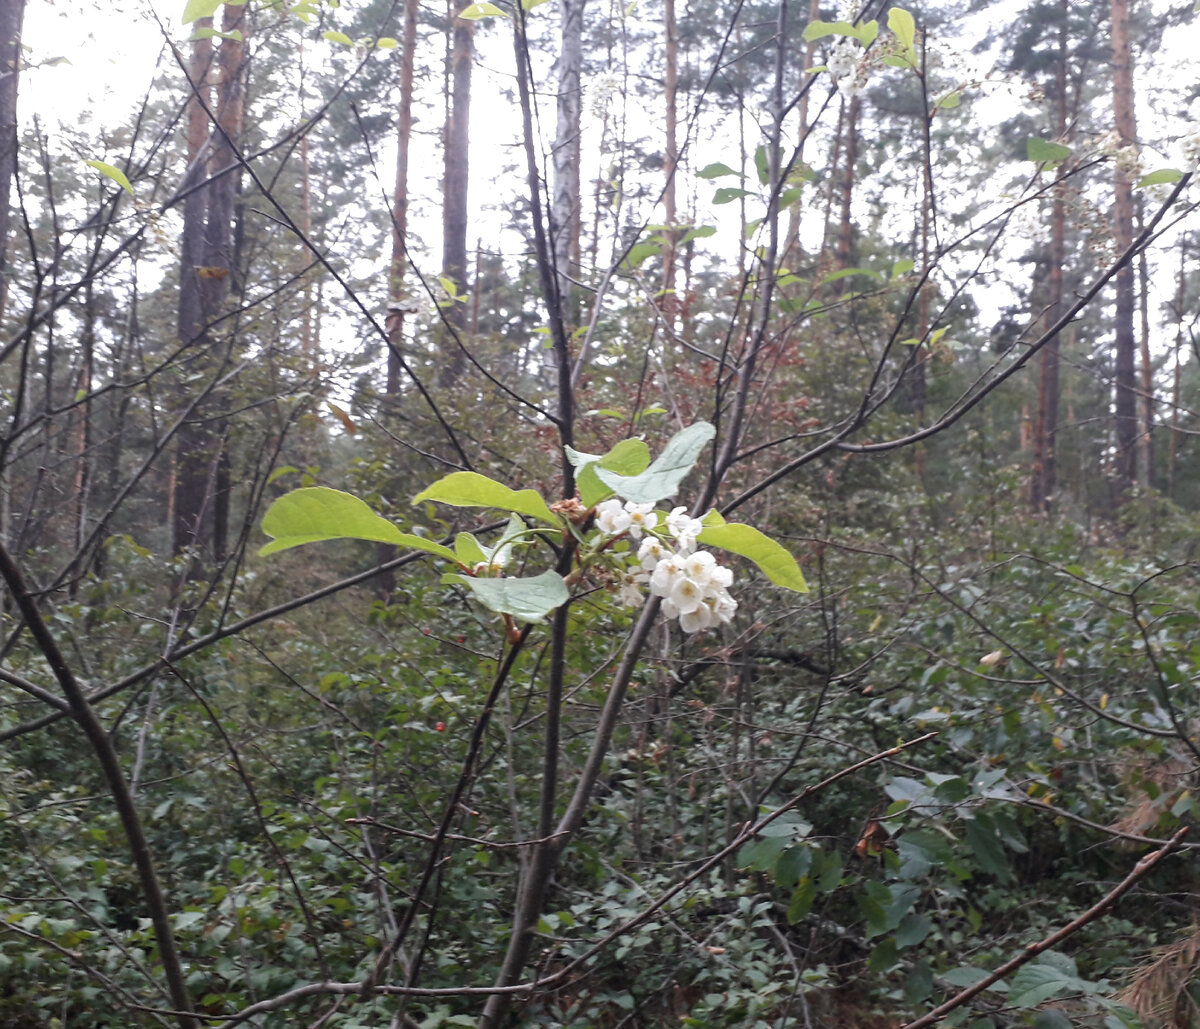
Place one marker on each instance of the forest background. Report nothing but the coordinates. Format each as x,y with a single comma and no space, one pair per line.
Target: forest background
901,302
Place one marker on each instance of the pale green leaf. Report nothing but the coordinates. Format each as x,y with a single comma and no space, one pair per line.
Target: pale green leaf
728,194
468,549
316,513
903,27
115,174
715,171
864,33
664,475
1162,177
640,252
386,43
337,37
528,600
746,541
470,489
629,457
1044,152
529,5
950,100
476,11
197,9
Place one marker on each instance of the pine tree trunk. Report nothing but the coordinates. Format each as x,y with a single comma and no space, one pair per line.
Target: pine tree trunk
454,198
1043,477
1124,346
670,160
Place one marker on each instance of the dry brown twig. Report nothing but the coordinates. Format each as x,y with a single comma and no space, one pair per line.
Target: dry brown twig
1139,870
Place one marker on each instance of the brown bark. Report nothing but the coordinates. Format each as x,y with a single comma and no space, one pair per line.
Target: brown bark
1044,472
670,160
845,240
12,16
203,479
399,262
1124,344
1146,391
454,198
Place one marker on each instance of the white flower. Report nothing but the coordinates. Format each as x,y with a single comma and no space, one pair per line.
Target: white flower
630,588
697,620
641,517
651,552
699,567
684,528
843,58
611,518
666,574
686,595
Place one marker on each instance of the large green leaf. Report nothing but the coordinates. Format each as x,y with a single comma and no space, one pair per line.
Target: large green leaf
1044,152
528,600
746,541
470,489
629,457
663,477
316,513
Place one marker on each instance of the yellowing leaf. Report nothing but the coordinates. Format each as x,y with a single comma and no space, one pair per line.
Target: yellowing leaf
113,173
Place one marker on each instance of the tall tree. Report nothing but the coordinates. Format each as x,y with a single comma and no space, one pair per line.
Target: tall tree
12,16
454,193
1122,227
565,210
201,489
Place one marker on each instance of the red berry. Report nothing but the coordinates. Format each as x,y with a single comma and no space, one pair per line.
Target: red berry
462,639
426,630
440,727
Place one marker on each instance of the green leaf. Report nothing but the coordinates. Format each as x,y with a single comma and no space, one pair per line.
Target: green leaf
115,174
902,267
469,552
1051,1018
316,513
845,273
1044,152
746,541
802,900
762,165
965,976
987,848
1038,982
663,477
865,33
640,252
715,171
476,11
1164,176
629,457
902,26
529,5
912,930
699,232
197,9
728,194
528,600
283,469
387,43
337,37
950,100
470,489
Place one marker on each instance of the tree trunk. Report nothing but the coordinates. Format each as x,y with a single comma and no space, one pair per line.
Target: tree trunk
454,198
1043,476
202,475
670,161
12,16
1124,346
186,483
564,212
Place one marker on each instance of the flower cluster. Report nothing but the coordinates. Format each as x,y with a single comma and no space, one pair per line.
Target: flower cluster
849,67
693,587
